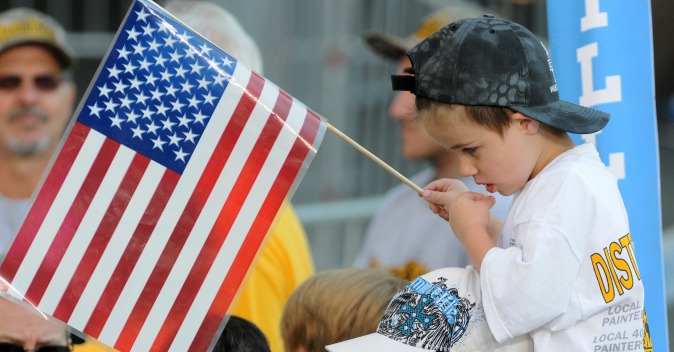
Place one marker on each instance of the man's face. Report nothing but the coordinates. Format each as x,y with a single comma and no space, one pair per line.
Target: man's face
416,143
21,327
35,101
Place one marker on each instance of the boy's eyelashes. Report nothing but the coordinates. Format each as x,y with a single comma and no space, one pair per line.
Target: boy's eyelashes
468,150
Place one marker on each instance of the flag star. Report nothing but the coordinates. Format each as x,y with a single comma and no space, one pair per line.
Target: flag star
114,72
175,56
133,35
194,102
148,30
141,98
171,90
105,91
208,98
158,143
95,110
156,94
147,113
154,46
180,155
131,117
167,124
190,52
152,128
180,72
166,76
160,60
205,49
149,79
184,121
116,121
145,65
119,86
190,137
196,68
219,79
185,38
139,48
161,109
166,27
187,87
199,117
129,67
203,82
142,15
137,132
135,83
177,105
227,62
123,53
170,41
126,102
175,140
110,105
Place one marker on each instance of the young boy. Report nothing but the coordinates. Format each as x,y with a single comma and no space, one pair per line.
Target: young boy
562,267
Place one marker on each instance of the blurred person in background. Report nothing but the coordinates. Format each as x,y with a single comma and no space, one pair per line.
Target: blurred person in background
337,305
285,261
240,335
403,236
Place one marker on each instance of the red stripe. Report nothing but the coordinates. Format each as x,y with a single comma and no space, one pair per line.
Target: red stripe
223,224
72,220
132,251
44,201
193,208
281,186
101,238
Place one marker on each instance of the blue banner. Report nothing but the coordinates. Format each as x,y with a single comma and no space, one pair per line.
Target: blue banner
602,54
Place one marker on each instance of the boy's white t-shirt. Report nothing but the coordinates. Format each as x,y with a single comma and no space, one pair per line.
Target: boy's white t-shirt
567,273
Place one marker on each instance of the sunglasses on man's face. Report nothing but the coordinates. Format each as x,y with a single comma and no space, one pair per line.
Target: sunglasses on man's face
10,347
45,83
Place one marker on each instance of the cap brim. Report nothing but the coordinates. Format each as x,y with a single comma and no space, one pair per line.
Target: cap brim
567,116
372,343
388,46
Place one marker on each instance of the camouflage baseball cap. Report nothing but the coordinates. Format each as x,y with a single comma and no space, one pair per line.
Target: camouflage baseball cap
22,26
494,62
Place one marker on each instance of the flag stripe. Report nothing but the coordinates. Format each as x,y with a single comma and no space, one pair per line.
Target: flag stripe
194,273
56,214
72,221
233,129
169,257
224,292
25,237
99,242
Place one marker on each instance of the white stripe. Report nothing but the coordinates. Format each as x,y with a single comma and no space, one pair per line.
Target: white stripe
85,232
57,212
167,222
240,228
118,242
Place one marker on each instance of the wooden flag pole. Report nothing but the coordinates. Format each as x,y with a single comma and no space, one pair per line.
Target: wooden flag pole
374,158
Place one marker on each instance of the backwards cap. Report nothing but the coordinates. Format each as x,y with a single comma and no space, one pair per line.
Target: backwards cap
494,62
439,311
22,26
393,47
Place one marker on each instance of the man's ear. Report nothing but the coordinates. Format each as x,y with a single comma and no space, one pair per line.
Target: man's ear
525,123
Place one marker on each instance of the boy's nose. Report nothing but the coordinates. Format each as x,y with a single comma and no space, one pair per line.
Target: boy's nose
467,169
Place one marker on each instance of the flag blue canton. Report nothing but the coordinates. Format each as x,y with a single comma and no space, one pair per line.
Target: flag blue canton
158,88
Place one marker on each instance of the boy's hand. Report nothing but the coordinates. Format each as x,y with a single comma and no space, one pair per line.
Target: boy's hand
441,195
470,214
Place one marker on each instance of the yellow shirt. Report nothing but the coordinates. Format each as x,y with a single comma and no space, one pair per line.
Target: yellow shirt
285,262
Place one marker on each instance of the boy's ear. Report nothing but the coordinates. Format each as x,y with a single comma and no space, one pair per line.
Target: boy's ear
527,124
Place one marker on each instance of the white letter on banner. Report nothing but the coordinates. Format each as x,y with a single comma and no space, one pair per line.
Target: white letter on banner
591,97
593,18
616,161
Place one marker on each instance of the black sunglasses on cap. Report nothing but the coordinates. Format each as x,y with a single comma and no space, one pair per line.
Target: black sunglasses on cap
45,83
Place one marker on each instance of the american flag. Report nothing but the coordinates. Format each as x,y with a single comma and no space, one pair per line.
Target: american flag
162,192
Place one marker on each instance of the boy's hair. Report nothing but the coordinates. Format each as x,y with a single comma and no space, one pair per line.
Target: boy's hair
240,335
336,305
492,62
